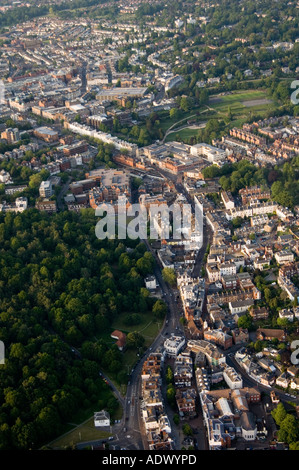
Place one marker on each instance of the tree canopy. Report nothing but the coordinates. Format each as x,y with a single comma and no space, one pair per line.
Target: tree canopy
60,290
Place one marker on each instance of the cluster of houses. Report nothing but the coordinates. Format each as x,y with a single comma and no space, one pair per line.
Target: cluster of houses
183,374
262,240
227,416
265,367
177,158
201,376
198,367
155,420
19,205
192,294
268,141
285,275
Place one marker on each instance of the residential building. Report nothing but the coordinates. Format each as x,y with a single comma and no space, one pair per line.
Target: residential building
232,378
262,262
46,205
294,384
202,379
47,134
283,381
5,177
286,314
258,313
228,200
183,370
186,402
11,135
284,256
150,282
174,345
219,337
240,306
121,339
45,189
240,335
269,334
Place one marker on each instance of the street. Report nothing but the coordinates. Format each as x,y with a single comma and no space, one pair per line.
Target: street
130,432
132,418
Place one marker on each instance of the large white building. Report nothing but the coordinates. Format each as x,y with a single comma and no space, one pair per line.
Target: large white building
150,282
5,177
101,419
232,378
174,345
45,189
227,269
119,144
240,306
21,204
284,256
173,81
208,152
268,207
228,200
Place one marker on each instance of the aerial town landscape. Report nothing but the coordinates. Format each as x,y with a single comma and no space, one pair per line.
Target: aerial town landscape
149,342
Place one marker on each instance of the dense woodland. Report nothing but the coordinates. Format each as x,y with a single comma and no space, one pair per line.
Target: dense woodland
25,13
60,290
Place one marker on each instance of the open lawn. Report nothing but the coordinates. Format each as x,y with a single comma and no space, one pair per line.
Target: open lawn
243,95
83,433
148,327
76,432
185,133
166,121
241,103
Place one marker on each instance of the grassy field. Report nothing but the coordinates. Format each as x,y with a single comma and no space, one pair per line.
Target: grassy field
186,133
242,95
147,328
76,432
82,428
166,121
82,433
242,103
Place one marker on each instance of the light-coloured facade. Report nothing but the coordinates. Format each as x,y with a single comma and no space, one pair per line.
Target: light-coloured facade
232,378
174,345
